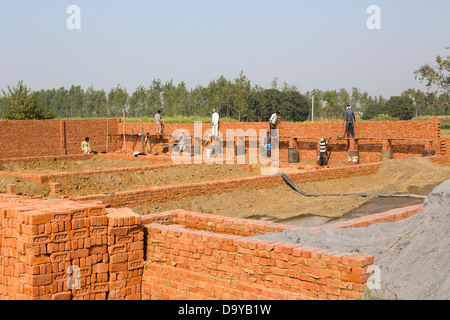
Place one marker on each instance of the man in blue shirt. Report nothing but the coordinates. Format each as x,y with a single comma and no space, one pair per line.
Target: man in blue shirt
350,119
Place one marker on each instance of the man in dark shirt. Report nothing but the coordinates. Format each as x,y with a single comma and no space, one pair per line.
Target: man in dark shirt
350,119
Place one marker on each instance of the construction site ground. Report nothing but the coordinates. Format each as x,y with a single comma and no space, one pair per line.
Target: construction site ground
414,175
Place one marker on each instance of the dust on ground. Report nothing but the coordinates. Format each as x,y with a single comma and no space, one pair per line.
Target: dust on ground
126,181
413,175
73,165
413,254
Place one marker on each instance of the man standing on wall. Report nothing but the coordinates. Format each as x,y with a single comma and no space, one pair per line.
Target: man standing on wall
159,124
215,124
350,119
274,120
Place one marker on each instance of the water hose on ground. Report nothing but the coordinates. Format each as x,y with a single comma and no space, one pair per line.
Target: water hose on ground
289,182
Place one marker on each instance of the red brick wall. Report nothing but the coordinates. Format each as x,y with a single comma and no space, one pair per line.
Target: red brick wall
220,262
40,240
53,137
173,193
370,150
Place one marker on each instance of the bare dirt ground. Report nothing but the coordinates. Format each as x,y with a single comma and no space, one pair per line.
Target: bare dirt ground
127,181
445,133
73,165
414,175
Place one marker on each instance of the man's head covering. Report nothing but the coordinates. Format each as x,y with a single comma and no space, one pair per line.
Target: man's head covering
349,107
322,140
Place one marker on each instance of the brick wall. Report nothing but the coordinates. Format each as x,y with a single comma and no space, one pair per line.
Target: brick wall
173,193
60,137
54,137
191,256
370,150
42,242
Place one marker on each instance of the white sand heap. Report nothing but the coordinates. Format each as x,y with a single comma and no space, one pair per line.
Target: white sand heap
413,254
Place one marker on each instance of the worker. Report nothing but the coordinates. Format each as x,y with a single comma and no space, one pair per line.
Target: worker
323,157
159,123
349,120
215,124
268,145
85,147
147,142
182,141
274,120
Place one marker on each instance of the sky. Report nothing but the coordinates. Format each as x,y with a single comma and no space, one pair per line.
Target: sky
323,44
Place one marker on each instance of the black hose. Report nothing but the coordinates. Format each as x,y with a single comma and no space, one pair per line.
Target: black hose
289,182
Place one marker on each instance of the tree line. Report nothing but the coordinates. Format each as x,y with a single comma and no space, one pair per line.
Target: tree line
235,99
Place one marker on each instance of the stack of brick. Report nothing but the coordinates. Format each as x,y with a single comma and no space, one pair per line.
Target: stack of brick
126,252
59,250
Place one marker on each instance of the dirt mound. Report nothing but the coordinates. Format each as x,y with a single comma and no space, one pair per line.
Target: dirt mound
412,254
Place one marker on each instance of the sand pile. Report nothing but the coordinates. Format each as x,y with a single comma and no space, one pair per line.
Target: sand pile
413,254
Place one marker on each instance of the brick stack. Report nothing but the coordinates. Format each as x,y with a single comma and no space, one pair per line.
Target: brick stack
126,252
59,250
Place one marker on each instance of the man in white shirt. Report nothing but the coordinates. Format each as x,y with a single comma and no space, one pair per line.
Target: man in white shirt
159,124
215,123
274,119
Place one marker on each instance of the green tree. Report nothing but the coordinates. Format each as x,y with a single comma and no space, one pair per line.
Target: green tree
373,109
240,94
138,102
117,100
437,76
400,107
20,104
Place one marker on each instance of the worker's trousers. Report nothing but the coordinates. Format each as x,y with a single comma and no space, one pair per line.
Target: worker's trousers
215,130
350,130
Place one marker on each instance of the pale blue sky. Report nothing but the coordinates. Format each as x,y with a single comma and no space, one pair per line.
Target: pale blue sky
320,44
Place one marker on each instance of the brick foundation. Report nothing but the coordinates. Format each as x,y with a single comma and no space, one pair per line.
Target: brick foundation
173,255
173,193
42,240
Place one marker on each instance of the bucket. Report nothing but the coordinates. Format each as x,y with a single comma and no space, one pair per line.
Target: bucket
427,153
387,155
294,155
353,158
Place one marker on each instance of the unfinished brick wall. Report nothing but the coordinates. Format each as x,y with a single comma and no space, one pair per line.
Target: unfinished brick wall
191,256
43,243
31,138
173,193
370,150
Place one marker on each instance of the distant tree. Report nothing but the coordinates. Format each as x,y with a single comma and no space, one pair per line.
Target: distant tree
117,100
20,104
438,76
137,101
400,107
294,106
373,109
241,92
